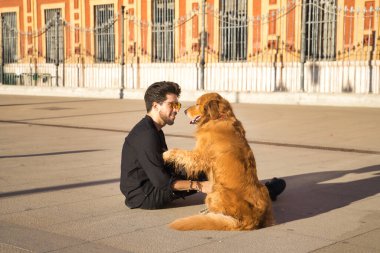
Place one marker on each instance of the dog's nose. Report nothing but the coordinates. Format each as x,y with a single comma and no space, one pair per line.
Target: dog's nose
185,111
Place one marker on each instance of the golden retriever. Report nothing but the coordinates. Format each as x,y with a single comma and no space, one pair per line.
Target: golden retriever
238,201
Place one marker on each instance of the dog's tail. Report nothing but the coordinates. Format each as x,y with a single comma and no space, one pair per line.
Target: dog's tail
209,221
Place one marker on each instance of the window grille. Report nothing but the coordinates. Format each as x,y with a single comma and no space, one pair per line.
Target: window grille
163,31
9,37
51,36
104,33
233,30
321,18
369,24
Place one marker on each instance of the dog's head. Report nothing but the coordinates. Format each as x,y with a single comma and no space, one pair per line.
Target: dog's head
210,106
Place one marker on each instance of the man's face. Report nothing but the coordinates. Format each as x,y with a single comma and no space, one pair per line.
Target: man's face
169,109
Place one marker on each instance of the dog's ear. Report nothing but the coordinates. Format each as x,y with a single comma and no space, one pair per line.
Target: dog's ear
212,109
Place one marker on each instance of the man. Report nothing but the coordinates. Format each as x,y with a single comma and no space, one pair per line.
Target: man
145,181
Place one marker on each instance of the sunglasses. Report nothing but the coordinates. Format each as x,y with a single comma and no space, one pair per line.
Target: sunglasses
174,105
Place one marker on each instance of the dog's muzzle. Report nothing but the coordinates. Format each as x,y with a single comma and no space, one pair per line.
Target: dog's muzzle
195,120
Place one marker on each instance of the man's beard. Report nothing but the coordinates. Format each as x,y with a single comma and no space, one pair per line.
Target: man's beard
166,119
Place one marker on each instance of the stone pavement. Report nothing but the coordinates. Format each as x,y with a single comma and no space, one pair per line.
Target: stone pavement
59,172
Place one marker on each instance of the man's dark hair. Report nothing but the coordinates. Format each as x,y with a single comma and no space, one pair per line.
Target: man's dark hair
157,92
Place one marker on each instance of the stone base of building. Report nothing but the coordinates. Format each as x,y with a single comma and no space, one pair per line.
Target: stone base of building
284,98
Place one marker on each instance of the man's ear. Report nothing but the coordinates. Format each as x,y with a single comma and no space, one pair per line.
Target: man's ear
155,106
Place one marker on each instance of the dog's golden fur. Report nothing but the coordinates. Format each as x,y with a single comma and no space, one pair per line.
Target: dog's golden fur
238,201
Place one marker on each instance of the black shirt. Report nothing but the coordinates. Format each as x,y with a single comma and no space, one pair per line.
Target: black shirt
142,165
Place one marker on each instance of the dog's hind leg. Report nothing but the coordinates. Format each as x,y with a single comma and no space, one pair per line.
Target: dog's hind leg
250,215
268,219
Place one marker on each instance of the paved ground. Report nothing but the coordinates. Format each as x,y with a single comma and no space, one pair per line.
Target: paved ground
59,170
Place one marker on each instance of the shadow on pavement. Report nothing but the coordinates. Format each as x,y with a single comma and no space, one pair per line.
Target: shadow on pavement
193,200
57,188
52,153
308,195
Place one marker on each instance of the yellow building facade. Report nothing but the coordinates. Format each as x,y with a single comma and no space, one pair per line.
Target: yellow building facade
262,28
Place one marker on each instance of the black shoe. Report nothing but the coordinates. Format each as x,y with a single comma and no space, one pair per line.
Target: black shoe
275,187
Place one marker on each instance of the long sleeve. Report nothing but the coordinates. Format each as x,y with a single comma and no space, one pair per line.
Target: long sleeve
149,155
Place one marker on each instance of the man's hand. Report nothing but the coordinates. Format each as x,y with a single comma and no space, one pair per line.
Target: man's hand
187,185
205,186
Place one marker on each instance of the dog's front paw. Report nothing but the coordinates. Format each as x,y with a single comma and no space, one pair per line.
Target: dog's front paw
169,156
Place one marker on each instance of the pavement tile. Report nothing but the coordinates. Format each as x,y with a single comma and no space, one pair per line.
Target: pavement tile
92,247
163,239
336,225
367,204
41,218
40,200
33,239
95,228
263,240
346,247
6,248
367,240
